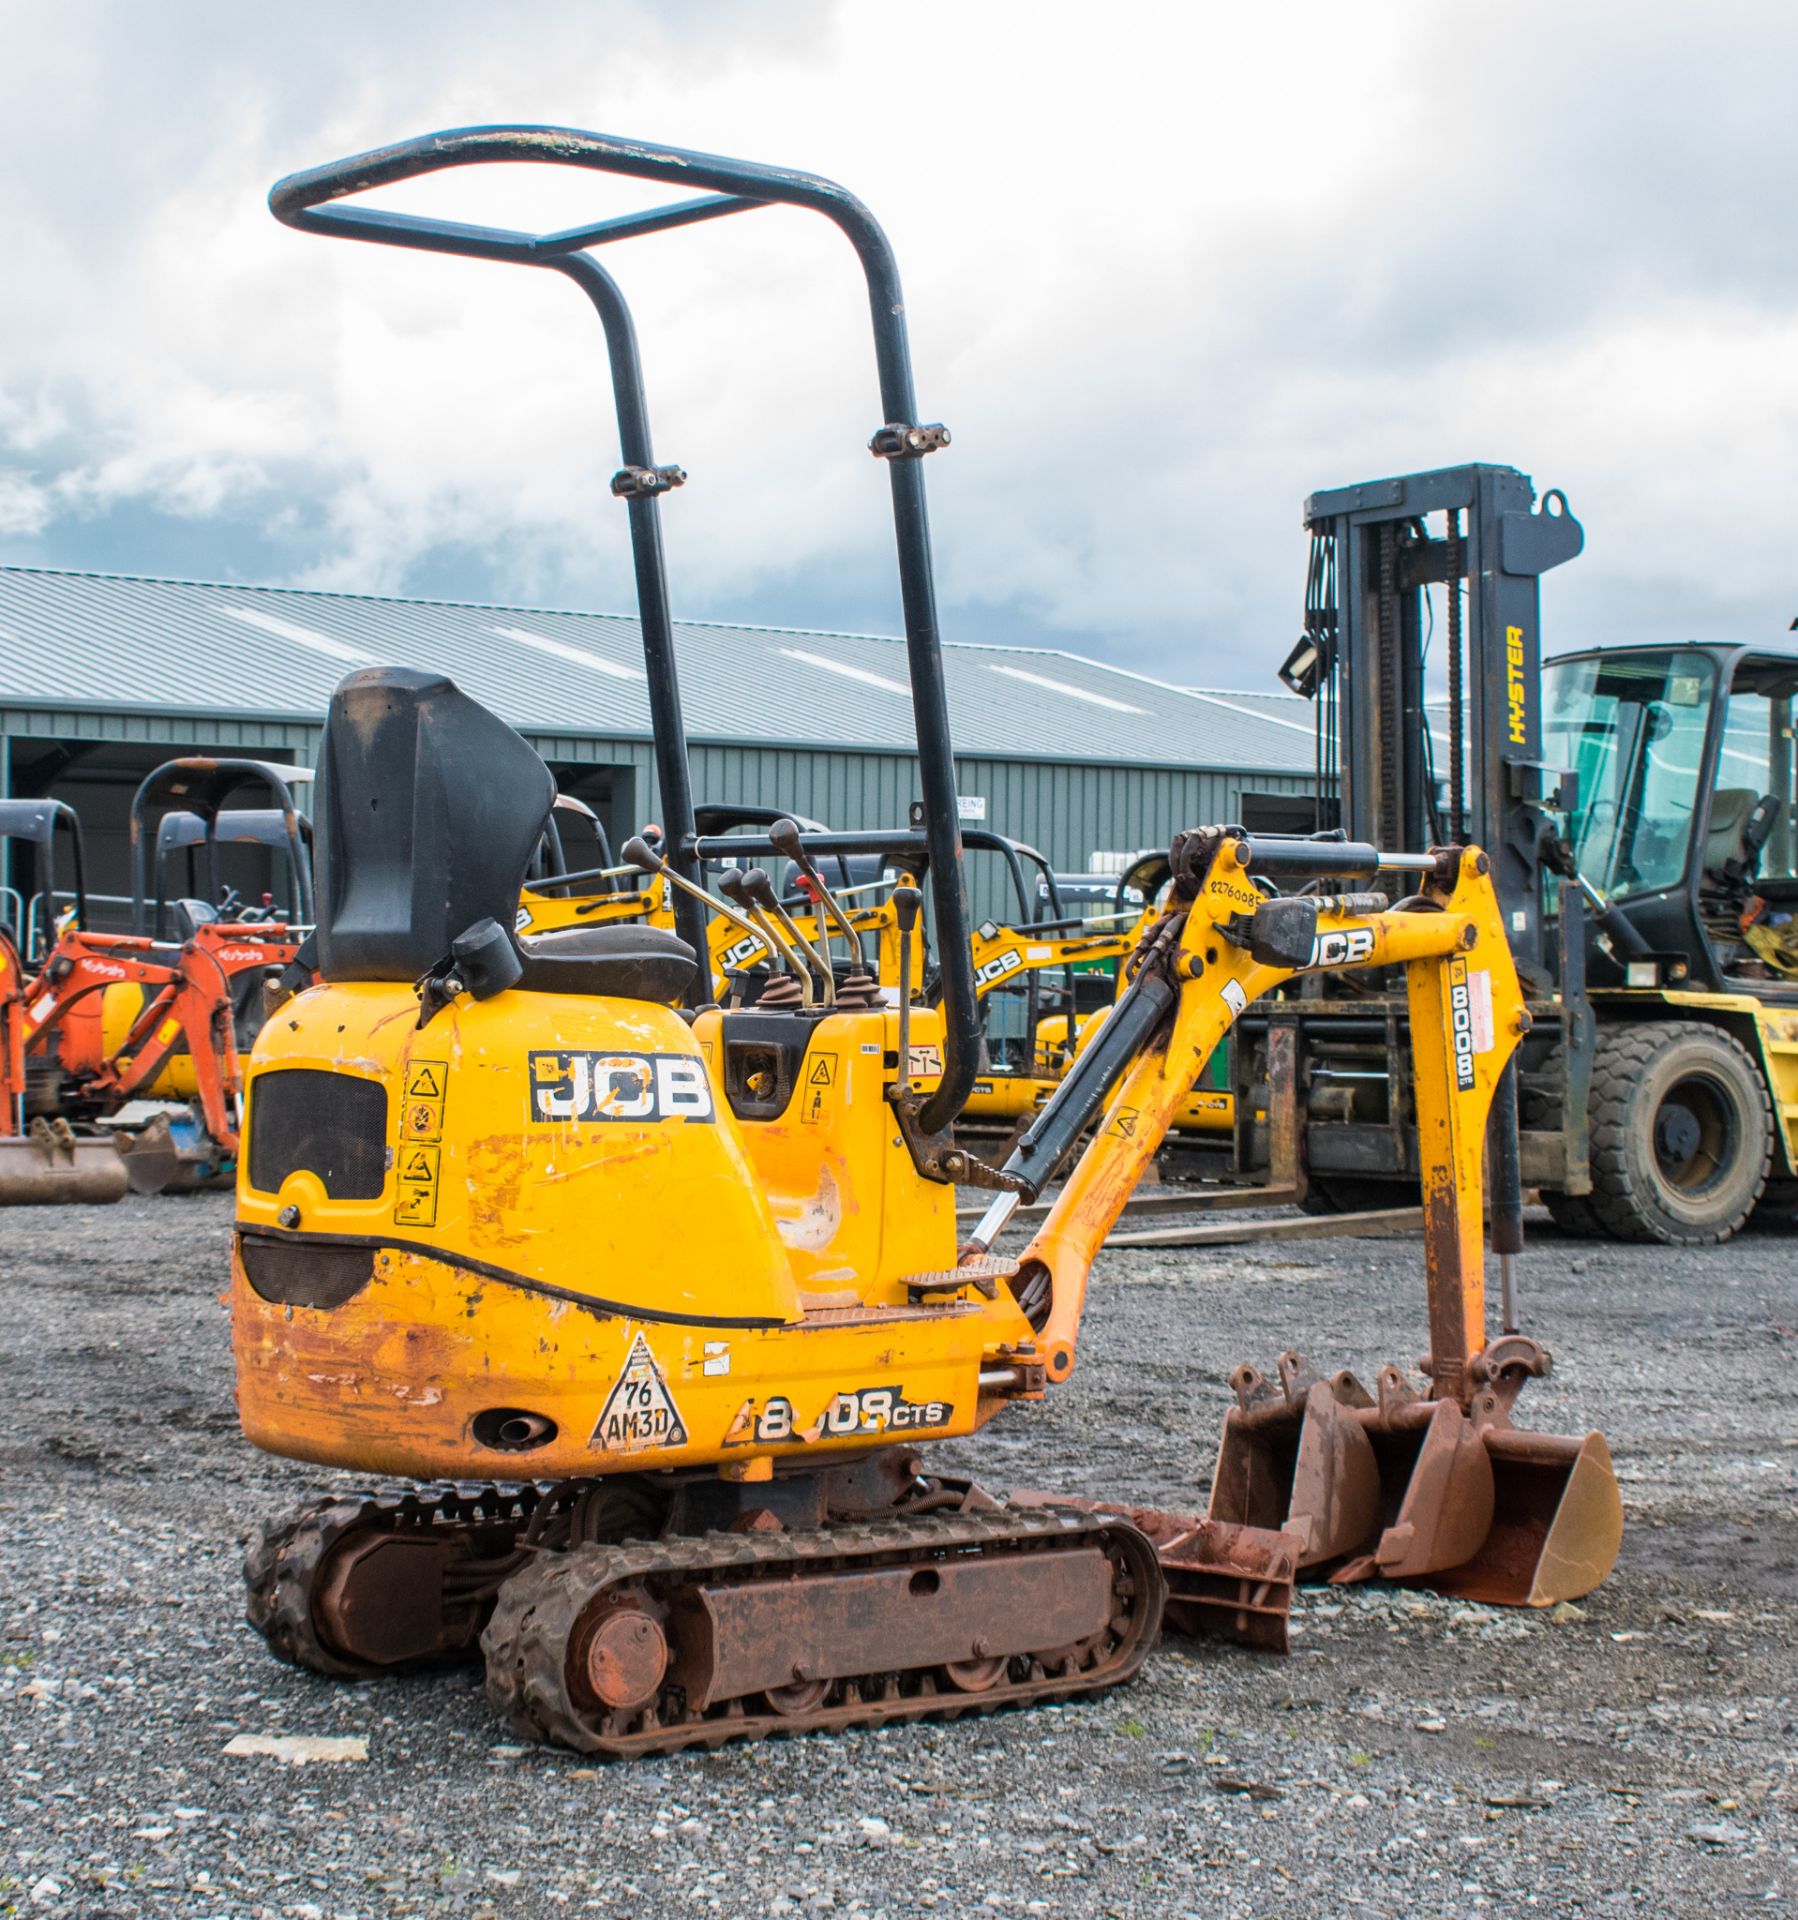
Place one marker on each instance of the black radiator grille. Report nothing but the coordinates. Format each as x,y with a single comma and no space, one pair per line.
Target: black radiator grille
333,1125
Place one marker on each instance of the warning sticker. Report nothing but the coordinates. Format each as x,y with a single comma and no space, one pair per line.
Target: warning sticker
820,1077
420,1149
924,1060
639,1413
1124,1122
421,1110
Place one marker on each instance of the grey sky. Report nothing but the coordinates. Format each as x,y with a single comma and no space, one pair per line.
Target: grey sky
1169,267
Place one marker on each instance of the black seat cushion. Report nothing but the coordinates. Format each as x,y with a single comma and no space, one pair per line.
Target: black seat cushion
625,963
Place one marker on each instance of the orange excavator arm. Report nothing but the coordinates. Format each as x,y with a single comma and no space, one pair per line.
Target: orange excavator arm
1437,1487
1234,946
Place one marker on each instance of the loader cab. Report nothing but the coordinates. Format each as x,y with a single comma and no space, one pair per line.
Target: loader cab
1685,813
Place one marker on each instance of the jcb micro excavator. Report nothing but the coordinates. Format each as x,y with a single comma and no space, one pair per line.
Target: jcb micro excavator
688,1281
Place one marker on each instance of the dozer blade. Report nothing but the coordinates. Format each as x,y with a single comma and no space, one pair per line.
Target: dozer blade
1557,1522
1310,1472
1225,1581
50,1166
1229,1582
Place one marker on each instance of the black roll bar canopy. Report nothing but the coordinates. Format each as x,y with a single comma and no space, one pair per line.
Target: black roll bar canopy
305,201
35,822
200,786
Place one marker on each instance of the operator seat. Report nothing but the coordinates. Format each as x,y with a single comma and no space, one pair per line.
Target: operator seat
429,809
1730,808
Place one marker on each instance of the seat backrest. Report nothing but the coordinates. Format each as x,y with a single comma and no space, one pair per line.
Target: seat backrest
1730,808
427,811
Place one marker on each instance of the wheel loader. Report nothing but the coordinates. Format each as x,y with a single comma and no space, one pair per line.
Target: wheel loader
668,1301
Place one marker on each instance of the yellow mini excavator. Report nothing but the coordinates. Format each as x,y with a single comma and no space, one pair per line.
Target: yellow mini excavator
671,1298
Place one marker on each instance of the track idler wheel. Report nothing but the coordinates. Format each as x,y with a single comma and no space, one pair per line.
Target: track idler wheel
352,1587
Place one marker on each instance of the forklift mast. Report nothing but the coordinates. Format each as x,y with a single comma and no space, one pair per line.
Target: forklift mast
1371,623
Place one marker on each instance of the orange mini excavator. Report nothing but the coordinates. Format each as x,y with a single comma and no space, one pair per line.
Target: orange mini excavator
669,1301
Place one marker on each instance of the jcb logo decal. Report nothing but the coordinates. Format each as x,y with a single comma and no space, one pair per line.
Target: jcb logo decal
741,953
639,1088
1342,949
998,967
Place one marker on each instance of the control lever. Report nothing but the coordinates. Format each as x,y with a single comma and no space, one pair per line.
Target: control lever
760,889
908,902
734,886
641,855
783,836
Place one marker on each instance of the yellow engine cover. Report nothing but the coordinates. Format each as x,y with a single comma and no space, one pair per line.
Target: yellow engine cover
537,1229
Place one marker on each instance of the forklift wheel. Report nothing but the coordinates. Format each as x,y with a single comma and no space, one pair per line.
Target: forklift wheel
1682,1133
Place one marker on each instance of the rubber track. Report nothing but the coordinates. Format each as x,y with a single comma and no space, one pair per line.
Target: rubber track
282,1559
526,1640
1620,1059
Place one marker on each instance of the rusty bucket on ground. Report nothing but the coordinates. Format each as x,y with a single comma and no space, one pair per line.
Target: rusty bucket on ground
51,1165
1417,1490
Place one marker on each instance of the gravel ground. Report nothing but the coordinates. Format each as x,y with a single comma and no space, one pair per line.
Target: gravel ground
1414,1756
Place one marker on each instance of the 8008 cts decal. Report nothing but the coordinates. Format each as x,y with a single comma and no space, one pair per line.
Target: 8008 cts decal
637,1087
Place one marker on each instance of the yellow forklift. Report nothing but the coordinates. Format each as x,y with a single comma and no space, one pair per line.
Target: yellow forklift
673,1297
1638,802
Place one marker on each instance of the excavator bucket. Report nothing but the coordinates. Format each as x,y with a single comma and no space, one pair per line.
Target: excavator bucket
1414,1491
1557,1522
50,1165
1299,1460
166,1157
1436,1484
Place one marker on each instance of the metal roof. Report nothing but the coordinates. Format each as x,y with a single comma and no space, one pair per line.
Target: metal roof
127,644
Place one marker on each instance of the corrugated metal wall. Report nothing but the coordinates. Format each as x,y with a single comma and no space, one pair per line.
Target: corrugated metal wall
1067,810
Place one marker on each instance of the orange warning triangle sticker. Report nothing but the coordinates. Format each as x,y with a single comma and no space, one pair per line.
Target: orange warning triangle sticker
825,1071
419,1167
424,1084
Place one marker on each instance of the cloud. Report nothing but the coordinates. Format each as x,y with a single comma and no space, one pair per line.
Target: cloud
1168,269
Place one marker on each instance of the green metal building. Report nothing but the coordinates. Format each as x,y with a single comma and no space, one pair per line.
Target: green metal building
103,677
